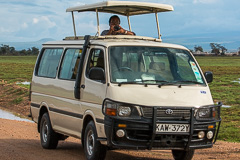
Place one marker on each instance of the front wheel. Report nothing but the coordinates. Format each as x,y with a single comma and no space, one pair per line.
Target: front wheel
49,139
183,155
93,149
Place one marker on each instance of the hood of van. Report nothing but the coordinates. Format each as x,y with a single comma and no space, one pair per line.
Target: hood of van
187,96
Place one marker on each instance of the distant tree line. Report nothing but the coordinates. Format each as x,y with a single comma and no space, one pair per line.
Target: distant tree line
7,50
216,48
198,48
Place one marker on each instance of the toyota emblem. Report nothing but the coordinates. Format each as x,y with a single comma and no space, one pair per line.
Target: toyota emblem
169,111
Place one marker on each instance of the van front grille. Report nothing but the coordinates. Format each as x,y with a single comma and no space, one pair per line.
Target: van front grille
161,113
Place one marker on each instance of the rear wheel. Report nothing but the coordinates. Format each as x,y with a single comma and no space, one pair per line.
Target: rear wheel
49,139
183,155
93,149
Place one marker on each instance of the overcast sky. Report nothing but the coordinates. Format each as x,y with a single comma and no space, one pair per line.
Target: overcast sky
32,20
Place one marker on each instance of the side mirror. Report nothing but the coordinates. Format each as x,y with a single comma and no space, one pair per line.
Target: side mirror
97,74
209,76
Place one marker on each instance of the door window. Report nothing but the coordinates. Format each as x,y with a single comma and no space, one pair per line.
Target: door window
96,59
70,64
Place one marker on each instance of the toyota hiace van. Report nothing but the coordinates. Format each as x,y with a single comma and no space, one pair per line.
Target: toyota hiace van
123,92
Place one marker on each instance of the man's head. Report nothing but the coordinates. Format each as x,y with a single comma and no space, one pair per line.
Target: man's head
114,20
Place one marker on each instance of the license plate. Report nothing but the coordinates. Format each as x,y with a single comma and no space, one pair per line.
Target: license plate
164,128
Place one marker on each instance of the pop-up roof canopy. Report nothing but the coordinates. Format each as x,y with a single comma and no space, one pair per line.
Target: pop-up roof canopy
125,8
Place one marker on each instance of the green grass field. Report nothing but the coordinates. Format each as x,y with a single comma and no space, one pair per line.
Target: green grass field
225,70
16,68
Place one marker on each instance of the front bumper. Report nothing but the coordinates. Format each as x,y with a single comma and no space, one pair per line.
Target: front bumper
141,133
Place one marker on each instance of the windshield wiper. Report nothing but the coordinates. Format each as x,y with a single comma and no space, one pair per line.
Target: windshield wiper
195,82
142,82
161,83
131,82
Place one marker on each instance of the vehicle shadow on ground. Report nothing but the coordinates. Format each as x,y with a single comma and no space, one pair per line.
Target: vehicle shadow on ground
29,149
77,149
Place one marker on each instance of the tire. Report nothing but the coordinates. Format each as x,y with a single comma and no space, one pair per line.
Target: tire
93,149
49,139
183,155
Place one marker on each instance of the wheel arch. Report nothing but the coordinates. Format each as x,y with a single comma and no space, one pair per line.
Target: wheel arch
43,109
86,119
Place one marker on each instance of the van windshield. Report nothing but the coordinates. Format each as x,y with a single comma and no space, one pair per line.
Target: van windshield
137,64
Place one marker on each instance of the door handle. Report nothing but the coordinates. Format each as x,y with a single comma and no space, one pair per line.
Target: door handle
82,86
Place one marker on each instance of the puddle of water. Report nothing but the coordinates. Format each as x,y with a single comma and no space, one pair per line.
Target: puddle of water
226,106
24,83
237,81
8,115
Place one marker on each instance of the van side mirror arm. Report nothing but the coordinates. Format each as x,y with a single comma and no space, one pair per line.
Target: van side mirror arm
80,67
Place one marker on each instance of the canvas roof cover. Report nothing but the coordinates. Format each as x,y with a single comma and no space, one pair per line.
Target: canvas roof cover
126,8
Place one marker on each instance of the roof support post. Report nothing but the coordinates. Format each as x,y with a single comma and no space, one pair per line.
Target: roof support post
75,36
98,28
129,24
159,35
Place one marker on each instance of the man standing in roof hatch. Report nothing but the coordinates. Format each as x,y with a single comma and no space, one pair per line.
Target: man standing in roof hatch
115,28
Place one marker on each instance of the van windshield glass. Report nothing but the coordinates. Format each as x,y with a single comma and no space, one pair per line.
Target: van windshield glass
137,64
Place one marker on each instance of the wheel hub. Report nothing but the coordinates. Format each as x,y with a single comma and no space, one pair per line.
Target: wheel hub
90,142
45,131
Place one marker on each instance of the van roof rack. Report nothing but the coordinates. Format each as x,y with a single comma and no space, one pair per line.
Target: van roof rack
125,8
114,37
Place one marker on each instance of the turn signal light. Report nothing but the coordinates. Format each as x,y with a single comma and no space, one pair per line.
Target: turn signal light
214,114
111,112
210,127
122,125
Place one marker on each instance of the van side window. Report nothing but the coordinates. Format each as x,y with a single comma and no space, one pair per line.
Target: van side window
49,62
96,59
70,64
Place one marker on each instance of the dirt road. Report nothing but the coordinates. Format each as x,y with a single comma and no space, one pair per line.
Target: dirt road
20,141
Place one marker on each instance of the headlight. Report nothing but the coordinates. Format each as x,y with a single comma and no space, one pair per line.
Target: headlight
206,112
124,111
121,110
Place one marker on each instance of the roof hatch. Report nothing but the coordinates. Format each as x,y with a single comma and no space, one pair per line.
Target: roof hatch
125,8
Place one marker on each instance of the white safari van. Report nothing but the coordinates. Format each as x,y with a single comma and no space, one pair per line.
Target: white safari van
123,92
